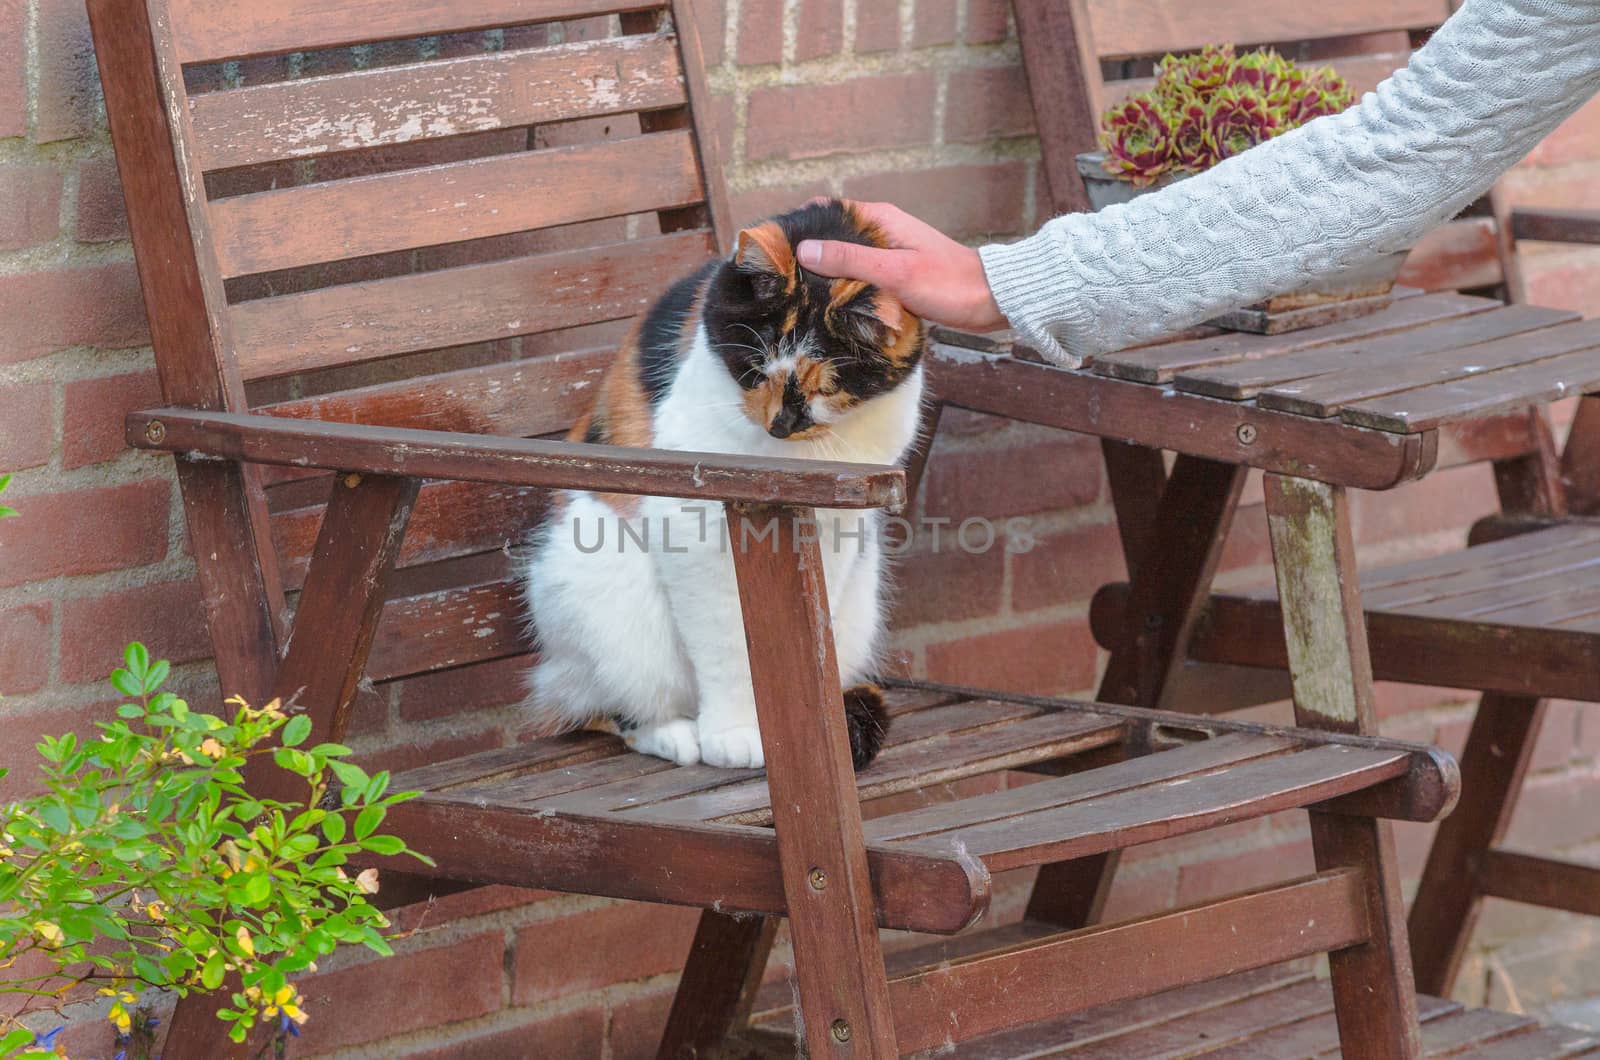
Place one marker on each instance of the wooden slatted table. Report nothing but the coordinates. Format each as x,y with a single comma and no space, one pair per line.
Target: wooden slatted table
1369,403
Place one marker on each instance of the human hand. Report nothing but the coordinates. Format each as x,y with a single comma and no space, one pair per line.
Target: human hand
931,274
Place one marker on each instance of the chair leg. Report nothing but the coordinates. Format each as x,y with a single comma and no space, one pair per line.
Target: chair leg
719,984
833,925
1446,906
1314,555
1173,539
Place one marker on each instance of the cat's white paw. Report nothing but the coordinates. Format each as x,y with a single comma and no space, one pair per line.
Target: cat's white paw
677,741
735,748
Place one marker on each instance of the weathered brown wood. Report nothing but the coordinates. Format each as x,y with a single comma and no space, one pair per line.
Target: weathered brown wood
1161,419
1509,336
716,210
1161,363
1063,71
1556,226
684,863
1143,815
453,202
1530,483
540,395
1580,460
1459,254
1141,772
506,762
556,465
337,614
211,30
1545,882
843,986
1172,578
437,630
1450,894
388,105
1242,380
1313,551
1523,386
719,984
1136,475
357,322
1155,27
965,998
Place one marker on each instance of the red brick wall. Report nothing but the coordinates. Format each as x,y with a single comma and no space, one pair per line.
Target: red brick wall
918,101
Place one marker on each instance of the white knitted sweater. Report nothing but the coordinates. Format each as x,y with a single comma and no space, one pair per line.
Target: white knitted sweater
1493,80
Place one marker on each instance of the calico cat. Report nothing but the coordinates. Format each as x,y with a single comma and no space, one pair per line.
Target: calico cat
633,600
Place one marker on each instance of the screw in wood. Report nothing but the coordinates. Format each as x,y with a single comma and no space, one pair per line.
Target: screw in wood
352,480
155,431
818,879
1246,433
841,1031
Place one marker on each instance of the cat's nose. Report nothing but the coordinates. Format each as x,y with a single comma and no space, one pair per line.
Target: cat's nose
790,418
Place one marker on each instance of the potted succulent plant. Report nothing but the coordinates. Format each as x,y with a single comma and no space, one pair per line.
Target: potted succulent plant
1209,106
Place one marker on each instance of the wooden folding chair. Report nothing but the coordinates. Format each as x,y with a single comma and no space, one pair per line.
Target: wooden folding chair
1516,619
372,287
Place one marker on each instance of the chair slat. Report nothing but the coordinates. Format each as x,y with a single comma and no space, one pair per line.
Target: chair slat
358,322
540,395
1166,768
451,627
213,30
1125,28
455,202
1146,814
397,104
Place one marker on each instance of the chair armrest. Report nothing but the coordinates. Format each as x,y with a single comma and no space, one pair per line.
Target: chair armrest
375,450
1556,226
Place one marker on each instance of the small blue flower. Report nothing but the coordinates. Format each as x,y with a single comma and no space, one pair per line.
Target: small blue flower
121,1056
46,1041
287,1025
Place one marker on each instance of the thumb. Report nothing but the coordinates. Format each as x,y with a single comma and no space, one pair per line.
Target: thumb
828,257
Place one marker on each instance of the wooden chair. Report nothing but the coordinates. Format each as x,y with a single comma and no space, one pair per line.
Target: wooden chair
371,288
1516,619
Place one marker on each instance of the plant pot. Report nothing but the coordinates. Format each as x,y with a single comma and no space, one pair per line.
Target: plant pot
1351,293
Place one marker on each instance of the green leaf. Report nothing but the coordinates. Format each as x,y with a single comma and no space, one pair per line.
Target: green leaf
130,710
158,673
384,844
350,775
211,974
333,827
258,889
379,785
295,733
55,815
331,750
368,821
127,684
137,657
21,1036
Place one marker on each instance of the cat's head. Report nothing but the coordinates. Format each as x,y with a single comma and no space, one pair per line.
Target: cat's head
806,350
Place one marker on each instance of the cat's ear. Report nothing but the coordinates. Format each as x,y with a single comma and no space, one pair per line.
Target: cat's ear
883,307
765,248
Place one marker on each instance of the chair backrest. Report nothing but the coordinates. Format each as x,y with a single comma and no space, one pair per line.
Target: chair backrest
410,213
1084,55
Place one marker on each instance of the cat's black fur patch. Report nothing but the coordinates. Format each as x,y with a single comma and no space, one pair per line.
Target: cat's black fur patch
742,311
661,332
867,718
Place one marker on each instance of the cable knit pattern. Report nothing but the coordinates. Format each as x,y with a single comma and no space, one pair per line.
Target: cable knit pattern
1492,82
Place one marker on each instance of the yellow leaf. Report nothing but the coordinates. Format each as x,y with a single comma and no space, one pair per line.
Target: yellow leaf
211,748
246,944
50,933
156,913
368,881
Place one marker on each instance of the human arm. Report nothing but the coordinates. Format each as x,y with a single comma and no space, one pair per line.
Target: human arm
1493,81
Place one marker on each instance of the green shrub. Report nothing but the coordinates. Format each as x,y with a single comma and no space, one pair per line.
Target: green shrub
145,863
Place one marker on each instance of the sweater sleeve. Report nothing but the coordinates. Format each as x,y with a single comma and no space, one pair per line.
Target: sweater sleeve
1490,84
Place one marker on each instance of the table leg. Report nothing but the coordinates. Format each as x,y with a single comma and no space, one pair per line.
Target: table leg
1313,554
1173,538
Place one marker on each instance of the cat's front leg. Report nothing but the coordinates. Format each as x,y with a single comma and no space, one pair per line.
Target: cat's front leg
696,567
